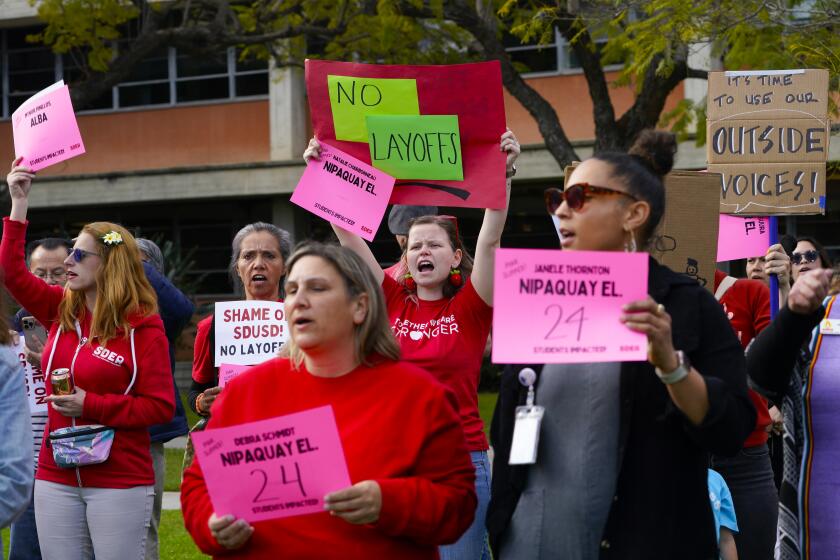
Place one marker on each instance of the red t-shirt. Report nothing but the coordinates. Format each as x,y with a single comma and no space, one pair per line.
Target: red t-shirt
397,425
747,305
446,337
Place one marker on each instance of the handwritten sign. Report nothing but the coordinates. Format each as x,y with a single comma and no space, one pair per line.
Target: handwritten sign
742,238
45,130
249,332
282,466
230,371
416,147
35,381
353,98
768,135
344,191
471,92
564,306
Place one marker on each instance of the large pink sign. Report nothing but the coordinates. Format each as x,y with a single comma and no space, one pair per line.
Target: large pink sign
45,130
552,306
344,191
273,468
742,238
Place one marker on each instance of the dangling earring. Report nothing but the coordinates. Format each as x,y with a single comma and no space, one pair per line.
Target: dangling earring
409,282
455,277
631,247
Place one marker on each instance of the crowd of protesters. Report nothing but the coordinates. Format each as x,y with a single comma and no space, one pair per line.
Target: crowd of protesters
662,459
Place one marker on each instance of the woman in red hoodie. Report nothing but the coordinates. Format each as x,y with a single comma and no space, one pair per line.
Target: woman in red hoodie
413,482
104,328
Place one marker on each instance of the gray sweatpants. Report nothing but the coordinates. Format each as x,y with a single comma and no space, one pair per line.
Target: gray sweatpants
73,522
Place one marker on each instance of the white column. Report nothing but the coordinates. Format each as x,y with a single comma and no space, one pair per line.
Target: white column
288,113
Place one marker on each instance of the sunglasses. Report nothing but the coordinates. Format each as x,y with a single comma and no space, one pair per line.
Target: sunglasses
79,254
806,257
576,195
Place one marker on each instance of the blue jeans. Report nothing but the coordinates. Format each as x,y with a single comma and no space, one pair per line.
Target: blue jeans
23,538
473,544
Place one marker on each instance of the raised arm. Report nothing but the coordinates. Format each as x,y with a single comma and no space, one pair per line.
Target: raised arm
490,235
347,239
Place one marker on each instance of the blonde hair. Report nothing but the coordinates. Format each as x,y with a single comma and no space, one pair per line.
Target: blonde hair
373,337
122,288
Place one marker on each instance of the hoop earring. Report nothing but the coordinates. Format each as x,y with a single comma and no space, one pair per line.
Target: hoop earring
455,277
631,247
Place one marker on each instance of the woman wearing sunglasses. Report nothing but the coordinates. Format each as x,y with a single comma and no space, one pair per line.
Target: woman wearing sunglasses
809,254
103,328
623,447
441,314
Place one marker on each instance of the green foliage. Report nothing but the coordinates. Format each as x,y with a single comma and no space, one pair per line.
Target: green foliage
90,26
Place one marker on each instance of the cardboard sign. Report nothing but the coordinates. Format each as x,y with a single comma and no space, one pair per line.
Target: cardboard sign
742,238
768,135
282,466
691,221
472,92
564,306
36,388
230,371
344,191
352,99
416,147
45,130
249,332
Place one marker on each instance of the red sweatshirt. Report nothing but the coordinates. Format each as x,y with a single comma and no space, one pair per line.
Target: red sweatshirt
104,373
398,426
747,305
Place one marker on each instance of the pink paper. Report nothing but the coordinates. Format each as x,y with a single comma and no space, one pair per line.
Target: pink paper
273,468
344,191
561,307
230,371
742,238
45,129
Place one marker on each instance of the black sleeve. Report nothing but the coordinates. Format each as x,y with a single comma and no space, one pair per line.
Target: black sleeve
196,389
772,355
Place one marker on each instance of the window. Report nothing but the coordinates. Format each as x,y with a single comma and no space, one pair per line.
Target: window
165,77
552,58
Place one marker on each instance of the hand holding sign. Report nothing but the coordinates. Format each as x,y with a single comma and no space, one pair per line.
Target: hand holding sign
359,504
230,532
19,180
650,318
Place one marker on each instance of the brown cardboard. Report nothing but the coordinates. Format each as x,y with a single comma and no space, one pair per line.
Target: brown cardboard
767,94
688,233
769,141
763,189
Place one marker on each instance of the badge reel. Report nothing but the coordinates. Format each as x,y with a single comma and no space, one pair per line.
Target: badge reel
526,430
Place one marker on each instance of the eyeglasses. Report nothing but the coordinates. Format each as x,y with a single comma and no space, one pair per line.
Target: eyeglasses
56,274
806,257
576,195
79,254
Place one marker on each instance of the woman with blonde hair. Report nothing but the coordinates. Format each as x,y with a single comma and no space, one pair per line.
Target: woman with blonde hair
413,483
106,337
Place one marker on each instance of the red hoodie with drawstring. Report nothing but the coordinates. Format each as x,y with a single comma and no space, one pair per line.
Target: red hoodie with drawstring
103,371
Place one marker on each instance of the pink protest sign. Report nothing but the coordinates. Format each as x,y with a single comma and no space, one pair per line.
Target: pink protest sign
282,466
560,307
344,191
230,371
45,130
742,238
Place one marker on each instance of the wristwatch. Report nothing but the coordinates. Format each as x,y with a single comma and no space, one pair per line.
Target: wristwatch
683,367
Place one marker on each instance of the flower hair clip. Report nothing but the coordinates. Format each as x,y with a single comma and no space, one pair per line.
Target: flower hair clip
112,238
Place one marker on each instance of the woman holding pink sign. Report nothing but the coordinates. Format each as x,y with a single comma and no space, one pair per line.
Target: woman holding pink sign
413,484
441,312
621,467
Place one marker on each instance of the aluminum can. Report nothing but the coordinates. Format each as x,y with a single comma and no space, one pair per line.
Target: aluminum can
62,382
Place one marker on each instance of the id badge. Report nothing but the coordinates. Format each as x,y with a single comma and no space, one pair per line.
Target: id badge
526,435
829,326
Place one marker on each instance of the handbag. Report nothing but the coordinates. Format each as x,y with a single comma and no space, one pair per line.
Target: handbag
80,446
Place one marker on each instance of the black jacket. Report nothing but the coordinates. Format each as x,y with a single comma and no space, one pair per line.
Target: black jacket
661,509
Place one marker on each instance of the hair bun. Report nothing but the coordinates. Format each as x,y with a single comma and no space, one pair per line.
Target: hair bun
656,150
